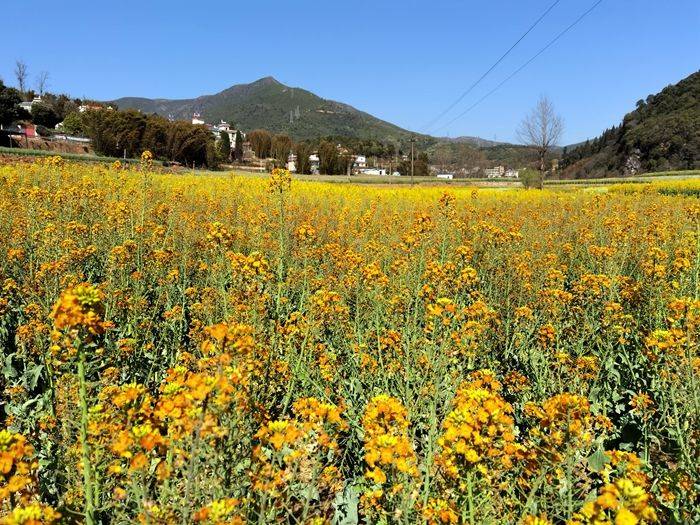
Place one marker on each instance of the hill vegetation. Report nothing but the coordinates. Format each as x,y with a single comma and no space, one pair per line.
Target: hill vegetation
662,133
277,108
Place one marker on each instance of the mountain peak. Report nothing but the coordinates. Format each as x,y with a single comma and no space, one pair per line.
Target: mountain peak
269,80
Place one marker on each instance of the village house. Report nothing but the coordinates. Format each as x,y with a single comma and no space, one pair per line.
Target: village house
218,129
373,171
292,163
494,173
86,107
360,162
314,163
27,106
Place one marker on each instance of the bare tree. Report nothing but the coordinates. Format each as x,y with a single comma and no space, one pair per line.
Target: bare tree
42,82
21,74
541,129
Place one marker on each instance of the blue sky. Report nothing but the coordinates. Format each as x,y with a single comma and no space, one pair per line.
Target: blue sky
403,61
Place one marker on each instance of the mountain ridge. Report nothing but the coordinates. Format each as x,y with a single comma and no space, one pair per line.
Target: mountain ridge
269,104
662,133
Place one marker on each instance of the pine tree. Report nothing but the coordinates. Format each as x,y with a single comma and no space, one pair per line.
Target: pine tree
223,147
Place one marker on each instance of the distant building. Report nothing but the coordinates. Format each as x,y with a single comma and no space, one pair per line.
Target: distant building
248,153
28,105
218,129
495,173
360,162
446,176
511,174
292,163
314,163
373,171
197,119
88,107
222,126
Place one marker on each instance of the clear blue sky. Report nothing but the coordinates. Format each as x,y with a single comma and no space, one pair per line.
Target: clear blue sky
403,61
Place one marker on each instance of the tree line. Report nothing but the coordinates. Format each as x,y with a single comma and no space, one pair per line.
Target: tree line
335,154
129,133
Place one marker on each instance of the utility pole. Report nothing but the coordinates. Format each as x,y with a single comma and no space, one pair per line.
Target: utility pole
413,140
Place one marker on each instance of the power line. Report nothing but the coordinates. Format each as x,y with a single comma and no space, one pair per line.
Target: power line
545,48
482,77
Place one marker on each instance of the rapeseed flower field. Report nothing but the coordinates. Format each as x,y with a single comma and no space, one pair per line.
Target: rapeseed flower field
227,350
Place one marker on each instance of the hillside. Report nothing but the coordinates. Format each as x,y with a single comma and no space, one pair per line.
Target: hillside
270,104
662,133
474,141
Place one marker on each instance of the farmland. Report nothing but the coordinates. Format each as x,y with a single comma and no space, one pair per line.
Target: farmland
228,349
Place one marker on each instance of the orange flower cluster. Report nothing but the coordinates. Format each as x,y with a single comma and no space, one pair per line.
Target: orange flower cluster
18,484
280,181
220,512
564,423
80,307
300,451
478,434
17,465
621,503
439,511
389,453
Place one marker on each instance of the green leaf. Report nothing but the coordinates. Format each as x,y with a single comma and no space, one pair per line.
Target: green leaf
346,506
598,460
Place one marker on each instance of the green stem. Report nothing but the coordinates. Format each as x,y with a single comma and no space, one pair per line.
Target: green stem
470,499
87,470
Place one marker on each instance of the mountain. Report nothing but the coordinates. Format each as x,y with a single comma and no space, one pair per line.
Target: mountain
475,141
662,133
271,105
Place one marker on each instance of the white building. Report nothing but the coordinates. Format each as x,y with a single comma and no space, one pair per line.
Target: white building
512,174
197,119
28,105
314,163
360,162
218,129
446,176
89,107
292,163
494,173
373,171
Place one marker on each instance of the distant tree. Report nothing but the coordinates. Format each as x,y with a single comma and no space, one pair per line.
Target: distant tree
116,133
10,110
531,178
223,147
542,129
73,124
42,82
21,75
344,163
261,142
44,115
421,166
155,137
238,147
63,105
303,151
281,147
328,157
